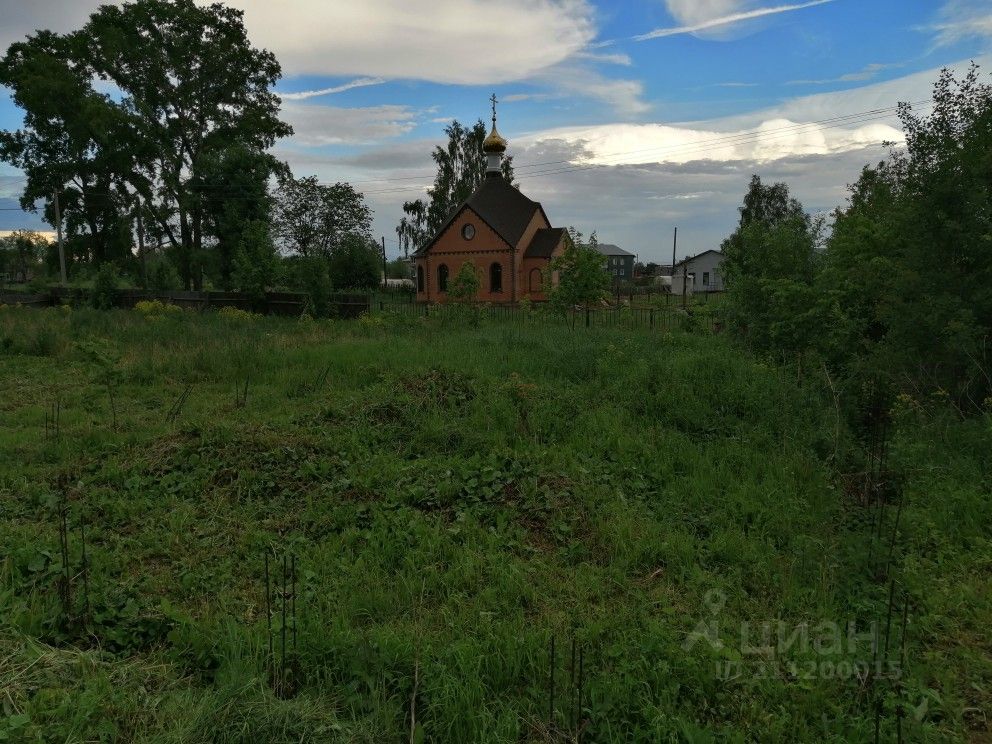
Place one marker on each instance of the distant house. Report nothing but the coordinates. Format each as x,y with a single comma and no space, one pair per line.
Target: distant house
619,263
704,271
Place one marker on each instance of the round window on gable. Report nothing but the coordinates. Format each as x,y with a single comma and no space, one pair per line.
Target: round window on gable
468,231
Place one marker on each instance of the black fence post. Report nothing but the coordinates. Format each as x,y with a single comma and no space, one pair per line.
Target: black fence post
587,316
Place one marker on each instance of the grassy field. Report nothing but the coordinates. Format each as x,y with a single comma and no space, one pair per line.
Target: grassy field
455,497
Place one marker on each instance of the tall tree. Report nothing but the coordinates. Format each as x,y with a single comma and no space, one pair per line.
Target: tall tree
768,204
355,263
73,140
189,85
770,264
909,259
194,85
764,208
312,219
235,195
461,166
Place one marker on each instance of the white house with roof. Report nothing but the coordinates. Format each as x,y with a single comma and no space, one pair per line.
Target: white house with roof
704,271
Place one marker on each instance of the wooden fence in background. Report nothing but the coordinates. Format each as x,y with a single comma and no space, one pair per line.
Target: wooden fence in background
276,303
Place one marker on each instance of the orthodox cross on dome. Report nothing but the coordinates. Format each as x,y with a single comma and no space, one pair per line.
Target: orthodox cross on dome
494,145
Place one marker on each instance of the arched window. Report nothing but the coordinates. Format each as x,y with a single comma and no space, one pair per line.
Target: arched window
420,278
442,278
536,280
496,278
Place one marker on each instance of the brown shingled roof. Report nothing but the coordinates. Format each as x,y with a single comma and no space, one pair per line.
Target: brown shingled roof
501,206
544,242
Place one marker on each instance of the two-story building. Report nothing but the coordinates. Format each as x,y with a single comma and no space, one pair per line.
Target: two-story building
619,263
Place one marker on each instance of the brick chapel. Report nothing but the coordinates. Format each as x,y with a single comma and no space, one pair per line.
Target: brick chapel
505,235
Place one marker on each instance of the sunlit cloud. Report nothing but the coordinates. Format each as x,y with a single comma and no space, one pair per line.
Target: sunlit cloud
359,83
727,20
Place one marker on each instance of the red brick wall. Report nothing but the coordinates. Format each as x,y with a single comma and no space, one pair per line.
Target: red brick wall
532,271
532,278
482,251
452,250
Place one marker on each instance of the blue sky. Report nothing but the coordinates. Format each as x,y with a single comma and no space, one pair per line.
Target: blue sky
625,118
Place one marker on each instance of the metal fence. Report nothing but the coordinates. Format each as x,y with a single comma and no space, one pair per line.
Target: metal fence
352,305
663,319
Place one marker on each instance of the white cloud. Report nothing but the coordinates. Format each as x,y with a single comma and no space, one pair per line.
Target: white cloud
963,19
695,12
610,59
707,15
867,72
517,97
772,139
471,42
21,18
684,182
316,125
789,130
447,41
915,87
622,97
359,83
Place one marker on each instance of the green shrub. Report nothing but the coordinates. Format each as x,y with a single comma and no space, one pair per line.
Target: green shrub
162,275
255,263
234,313
313,278
157,308
105,284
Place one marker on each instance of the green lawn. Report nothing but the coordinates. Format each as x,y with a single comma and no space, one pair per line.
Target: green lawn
455,496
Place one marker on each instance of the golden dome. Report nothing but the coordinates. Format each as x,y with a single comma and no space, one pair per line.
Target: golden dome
494,142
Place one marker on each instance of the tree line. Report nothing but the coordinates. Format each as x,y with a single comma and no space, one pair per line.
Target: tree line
896,298
151,127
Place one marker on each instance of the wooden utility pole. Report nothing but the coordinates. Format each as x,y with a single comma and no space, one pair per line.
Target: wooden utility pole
58,228
384,282
671,288
141,247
